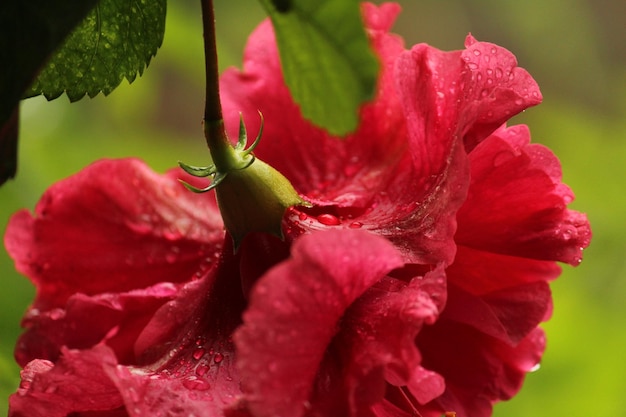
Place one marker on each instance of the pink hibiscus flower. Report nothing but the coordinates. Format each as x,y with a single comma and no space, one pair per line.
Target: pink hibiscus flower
413,286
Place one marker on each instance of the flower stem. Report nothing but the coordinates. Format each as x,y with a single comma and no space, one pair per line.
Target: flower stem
214,132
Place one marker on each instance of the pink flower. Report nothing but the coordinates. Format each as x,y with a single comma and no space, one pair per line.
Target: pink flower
404,174
414,285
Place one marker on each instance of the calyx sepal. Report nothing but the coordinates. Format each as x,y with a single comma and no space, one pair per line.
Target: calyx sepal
252,196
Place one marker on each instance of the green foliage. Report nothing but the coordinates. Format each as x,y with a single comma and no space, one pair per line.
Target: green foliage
326,59
29,32
116,40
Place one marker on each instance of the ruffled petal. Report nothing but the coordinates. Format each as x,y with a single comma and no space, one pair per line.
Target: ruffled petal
496,89
88,320
480,272
517,203
374,352
191,369
479,370
78,382
114,227
294,313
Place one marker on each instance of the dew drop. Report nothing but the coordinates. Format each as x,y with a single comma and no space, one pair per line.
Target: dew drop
302,216
56,314
171,234
328,219
198,353
472,65
476,52
535,368
218,358
356,225
499,73
519,102
196,384
202,370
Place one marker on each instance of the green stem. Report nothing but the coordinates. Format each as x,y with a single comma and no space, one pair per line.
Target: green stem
214,132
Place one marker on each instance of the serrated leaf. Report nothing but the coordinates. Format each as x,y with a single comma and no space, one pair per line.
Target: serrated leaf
326,59
29,32
115,41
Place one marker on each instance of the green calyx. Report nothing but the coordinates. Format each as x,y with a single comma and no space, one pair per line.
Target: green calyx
251,195
228,158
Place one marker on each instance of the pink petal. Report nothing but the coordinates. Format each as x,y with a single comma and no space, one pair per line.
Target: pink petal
480,272
517,204
508,315
497,89
117,223
88,320
294,312
192,369
478,369
77,383
374,350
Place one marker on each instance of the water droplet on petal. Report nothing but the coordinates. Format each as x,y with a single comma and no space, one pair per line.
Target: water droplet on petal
328,219
535,368
218,358
476,52
356,225
202,370
171,234
302,216
196,384
198,353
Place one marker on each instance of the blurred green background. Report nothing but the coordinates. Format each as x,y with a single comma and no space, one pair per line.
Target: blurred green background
575,49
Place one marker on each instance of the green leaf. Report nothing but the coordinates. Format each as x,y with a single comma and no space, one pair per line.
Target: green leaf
326,59
115,41
29,32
